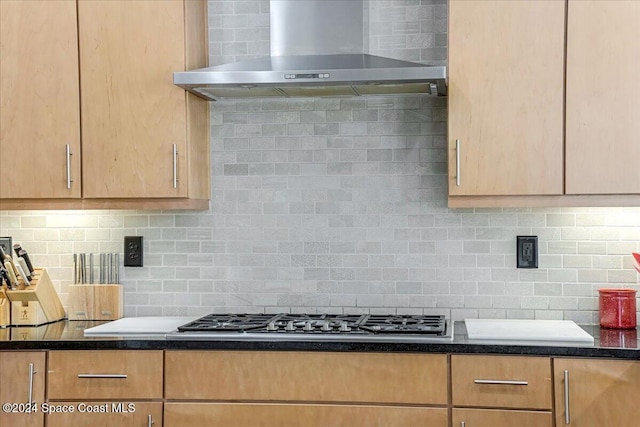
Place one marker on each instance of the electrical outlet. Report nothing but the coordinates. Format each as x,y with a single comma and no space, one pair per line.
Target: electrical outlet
7,245
527,251
133,251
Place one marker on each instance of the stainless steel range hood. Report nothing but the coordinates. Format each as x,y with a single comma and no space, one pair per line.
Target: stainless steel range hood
316,50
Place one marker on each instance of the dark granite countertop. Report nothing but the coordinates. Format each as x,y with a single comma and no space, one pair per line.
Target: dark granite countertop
69,335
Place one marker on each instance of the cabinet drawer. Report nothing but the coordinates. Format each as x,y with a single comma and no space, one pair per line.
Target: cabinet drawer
114,374
276,415
307,376
120,414
501,381
494,417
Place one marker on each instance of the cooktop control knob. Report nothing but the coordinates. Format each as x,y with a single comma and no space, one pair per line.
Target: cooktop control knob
271,326
290,326
308,326
326,326
344,327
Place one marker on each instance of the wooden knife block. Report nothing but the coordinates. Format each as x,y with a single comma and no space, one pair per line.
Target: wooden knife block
5,310
96,302
37,303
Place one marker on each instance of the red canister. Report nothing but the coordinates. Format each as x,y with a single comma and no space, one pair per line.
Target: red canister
617,308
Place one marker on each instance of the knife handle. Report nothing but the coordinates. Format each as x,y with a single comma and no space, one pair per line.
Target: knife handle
24,255
22,263
25,277
17,248
13,280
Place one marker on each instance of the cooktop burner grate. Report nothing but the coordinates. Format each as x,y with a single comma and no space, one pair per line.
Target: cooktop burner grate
409,324
320,324
228,322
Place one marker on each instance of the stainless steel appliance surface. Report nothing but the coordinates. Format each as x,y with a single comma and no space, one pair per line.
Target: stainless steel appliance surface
318,327
318,48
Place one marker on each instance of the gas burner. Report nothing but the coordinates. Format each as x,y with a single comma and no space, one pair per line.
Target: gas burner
228,322
405,324
318,327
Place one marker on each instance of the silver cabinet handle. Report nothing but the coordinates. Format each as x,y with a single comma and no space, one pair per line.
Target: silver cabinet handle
501,382
69,154
175,166
461,423
457,162
150,421
102,375
31,373
567,409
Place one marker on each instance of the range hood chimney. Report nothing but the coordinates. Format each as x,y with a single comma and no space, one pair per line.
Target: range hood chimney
317,49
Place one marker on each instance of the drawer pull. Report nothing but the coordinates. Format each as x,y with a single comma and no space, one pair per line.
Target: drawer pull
30,391
457,163
501,382
175,165
150,421
102,376
567,410
68,157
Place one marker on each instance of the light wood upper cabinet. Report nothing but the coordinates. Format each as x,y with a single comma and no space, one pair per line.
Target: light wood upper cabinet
603,97
600,392
144,142
132,112
39,102
19,370
506,81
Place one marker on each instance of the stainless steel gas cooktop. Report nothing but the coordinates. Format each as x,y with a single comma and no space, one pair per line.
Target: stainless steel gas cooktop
318,327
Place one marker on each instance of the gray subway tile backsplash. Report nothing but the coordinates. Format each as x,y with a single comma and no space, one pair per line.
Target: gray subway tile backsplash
339,205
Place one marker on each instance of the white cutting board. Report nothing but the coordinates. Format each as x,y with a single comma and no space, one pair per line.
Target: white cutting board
527,331
138,326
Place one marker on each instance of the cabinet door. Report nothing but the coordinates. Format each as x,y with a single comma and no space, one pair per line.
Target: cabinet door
603,97
500,418
108,374
501,381
308,415
22,376
506,82
288,376
132,114
108,414
600,392
39,106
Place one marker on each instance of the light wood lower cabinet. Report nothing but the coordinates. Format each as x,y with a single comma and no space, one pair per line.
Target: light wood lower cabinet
112,374
501,381
307,376
22,380
245,388
598,392
107,414
500,418
308,415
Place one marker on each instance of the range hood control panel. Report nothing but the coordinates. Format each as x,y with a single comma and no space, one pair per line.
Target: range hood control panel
307,76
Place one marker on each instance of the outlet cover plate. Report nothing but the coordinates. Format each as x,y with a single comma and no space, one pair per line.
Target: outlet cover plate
133,251
527,251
